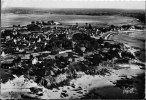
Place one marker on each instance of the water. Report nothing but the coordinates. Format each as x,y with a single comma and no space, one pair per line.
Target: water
10,19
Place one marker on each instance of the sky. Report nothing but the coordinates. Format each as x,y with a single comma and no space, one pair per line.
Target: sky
117,4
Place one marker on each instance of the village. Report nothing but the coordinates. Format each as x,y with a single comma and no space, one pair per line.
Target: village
51,53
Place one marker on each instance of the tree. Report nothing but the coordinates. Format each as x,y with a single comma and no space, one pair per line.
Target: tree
86,24
33,27
37,22
90,27
112,26
32,22
52,22
49,22
100,40
77,24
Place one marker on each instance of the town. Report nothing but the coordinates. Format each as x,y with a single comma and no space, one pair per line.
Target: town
51,53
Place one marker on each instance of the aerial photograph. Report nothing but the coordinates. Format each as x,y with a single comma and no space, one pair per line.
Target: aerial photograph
72,49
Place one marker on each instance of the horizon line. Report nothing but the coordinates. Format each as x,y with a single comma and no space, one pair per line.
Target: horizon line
73,8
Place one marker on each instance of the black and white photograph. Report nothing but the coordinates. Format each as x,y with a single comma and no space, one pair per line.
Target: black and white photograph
72,49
